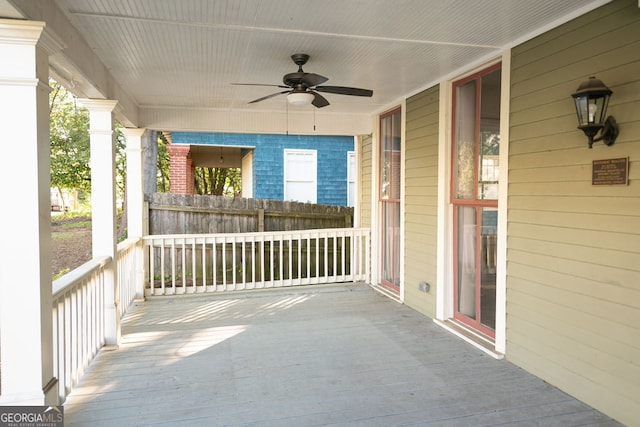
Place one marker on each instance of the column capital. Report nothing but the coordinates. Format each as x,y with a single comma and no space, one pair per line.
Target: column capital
17,31
99,105
133,132
133,138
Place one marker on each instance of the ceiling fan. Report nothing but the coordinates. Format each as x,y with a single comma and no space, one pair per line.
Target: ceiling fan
302,88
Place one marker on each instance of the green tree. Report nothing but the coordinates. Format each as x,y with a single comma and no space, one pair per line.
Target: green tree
121,162
218,181
69,137
163,165
70,144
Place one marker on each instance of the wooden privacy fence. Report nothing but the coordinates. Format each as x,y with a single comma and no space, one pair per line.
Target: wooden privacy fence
180,264
195,214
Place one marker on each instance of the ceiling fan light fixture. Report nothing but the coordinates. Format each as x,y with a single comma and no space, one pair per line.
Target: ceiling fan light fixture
302,88
300,98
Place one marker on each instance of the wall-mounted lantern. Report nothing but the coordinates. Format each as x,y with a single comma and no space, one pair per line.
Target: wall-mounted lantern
592,99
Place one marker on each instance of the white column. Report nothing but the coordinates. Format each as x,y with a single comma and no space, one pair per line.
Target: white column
26,341
135,195
135,198
103,205
247,175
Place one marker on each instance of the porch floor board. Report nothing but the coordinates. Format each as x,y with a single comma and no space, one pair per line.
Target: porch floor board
307,356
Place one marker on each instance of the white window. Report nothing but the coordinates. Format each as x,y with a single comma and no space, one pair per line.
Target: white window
351,178
300,175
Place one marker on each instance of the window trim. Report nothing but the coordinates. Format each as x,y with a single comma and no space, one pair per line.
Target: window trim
400,110
314,154
444,297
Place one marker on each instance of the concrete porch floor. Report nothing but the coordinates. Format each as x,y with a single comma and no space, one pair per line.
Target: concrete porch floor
310,356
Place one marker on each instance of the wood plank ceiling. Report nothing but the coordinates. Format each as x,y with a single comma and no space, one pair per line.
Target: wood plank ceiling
186,54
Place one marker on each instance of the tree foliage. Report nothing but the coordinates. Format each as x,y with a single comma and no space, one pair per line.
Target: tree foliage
218,181
121,162
70,154
70,144
69,137
163,164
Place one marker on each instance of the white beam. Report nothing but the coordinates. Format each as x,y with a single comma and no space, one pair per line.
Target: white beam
303,121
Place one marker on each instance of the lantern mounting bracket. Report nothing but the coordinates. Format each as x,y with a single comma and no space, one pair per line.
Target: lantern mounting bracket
609,132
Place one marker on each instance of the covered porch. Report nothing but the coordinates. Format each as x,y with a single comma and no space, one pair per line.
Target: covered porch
313,355
332,354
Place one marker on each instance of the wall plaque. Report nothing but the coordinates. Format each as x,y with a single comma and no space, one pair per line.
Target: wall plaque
610,171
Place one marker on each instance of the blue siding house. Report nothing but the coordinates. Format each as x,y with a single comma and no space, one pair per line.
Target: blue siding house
305,168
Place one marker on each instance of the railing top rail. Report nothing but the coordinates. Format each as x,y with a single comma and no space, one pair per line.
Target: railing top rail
127,243
149,238
76,275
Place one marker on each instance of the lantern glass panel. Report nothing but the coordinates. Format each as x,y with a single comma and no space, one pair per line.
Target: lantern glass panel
603,109
596,110
582,110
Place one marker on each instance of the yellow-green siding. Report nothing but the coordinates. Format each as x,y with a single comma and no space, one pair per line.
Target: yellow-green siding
573,260
365,166
421,199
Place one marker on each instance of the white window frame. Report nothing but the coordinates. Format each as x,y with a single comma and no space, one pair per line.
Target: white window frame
313,194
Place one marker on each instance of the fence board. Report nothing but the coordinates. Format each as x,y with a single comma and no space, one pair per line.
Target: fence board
195,214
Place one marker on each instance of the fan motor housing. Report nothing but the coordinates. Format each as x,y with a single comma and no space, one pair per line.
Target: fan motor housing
293,79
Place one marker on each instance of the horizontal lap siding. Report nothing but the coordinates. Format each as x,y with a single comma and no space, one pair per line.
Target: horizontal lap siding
421,197
573,272
365,159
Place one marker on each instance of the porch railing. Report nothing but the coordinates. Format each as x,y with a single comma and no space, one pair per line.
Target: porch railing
180,264
79,312
129,260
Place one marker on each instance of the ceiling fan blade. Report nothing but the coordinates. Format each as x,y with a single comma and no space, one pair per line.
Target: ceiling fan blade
258,84
311,79
319,101
269,96
342,90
